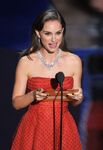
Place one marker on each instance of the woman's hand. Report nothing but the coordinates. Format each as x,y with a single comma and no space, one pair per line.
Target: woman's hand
40,94
75,97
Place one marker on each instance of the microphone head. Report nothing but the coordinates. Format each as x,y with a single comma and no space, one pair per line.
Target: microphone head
59,77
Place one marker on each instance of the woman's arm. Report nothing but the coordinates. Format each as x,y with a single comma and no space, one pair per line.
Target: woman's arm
76,97
19,98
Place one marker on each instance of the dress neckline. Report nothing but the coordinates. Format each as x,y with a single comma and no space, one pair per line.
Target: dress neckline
48,78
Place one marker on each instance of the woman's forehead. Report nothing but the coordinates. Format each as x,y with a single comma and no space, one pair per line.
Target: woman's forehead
52,24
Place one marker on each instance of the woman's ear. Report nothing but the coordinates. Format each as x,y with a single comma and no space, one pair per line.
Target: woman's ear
37,33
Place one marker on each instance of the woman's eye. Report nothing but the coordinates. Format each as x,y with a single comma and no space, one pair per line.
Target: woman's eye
47,33
58,33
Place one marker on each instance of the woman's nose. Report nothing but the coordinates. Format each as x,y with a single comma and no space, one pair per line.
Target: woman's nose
53,38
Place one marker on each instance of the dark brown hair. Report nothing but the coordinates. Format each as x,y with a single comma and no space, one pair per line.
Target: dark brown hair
51,14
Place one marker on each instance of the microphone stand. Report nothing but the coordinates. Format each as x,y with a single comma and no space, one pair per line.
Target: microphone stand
60,78
61,90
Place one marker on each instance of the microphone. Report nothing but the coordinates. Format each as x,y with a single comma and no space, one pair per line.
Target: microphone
59,77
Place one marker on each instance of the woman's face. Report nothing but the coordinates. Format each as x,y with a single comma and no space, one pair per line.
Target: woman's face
51,35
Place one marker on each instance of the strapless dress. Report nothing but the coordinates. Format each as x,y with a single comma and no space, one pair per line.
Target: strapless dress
39,128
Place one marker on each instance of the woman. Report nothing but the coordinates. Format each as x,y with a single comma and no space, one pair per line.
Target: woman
36,87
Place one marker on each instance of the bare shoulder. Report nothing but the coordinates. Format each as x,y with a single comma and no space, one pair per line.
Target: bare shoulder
26,64
22,68
75,58
26,60
71,57
23,61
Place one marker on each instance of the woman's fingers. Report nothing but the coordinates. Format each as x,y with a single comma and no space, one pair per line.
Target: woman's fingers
76,95
40,94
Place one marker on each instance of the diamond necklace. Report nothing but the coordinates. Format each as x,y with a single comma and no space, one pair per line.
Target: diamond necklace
45,63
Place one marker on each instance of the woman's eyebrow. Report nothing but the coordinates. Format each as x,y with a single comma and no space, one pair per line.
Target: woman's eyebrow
50,31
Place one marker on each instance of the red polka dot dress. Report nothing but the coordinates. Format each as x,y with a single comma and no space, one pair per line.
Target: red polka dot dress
39,128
